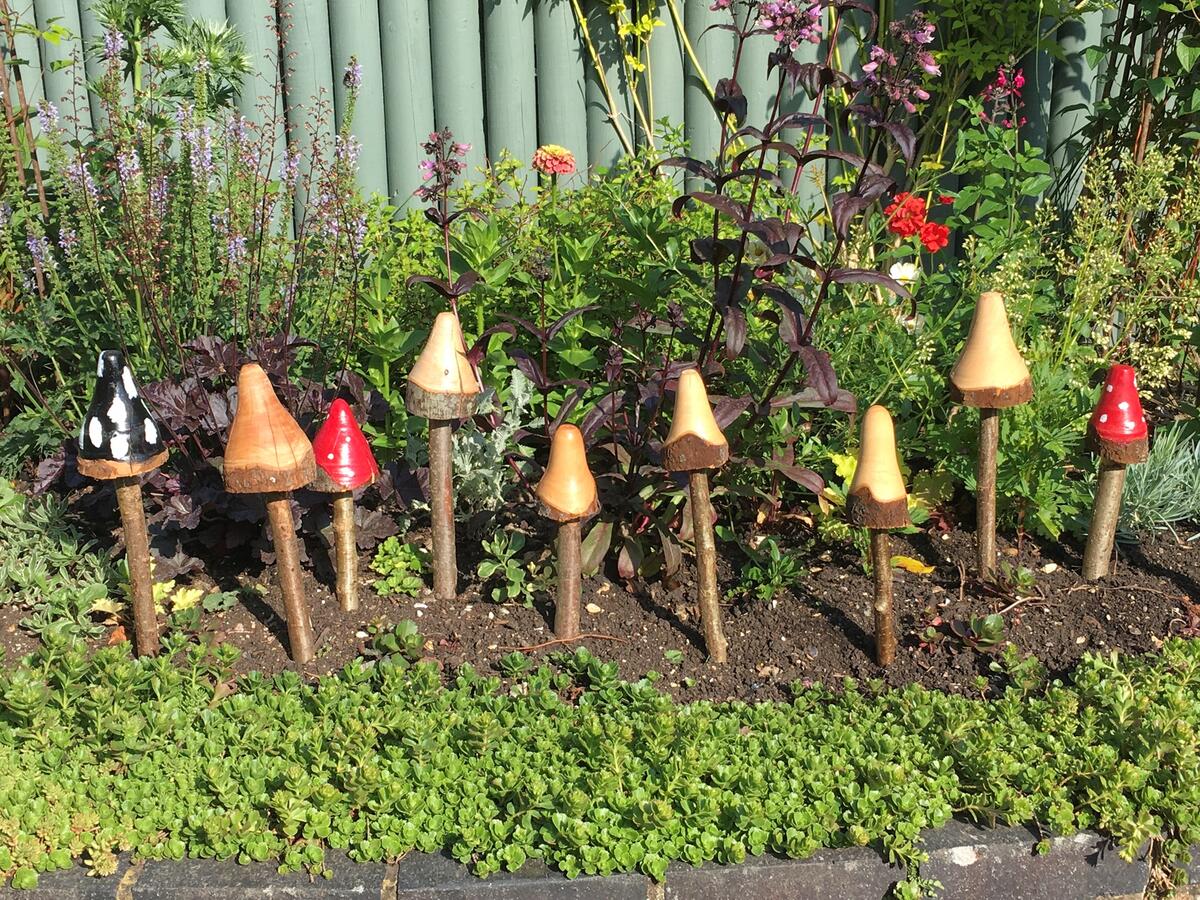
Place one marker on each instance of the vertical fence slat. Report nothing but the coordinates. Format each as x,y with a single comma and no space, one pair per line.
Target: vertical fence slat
812,179
561,88
308,71
27,50
714,51
458,76
60,84
509,73
260,99
752,76
846,59
408,93
664,94
91,32
207,10
1073,95
1038,69
355,32
604,144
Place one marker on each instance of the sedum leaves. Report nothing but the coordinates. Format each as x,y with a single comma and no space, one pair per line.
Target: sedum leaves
567,763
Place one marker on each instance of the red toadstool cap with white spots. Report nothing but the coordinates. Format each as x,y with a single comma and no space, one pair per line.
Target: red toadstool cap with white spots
1118,424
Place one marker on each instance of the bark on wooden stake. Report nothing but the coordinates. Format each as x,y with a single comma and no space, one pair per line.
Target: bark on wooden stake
878,500
570,580
1118,432
989,375
985,492
344,464
441,508
567,495
287,561
120,441
268,454
885,617
694,445
707,593
442,388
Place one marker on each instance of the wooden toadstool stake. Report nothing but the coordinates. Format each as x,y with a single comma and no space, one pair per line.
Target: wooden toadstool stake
567,494
878,500
1118,431
694,445
269,454
442,388
120,441
991,376
344,464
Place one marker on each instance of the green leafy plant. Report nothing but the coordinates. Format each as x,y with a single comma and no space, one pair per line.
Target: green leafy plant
48,568
1165,489
979,631
403,640
401,567
772,570
618,778
514,579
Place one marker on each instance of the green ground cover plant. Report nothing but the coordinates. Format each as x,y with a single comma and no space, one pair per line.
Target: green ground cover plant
170,756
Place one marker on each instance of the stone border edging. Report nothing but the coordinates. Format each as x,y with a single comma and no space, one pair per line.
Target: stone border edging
970,862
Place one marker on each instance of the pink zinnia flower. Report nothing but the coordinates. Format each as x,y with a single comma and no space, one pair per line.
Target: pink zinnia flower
551,159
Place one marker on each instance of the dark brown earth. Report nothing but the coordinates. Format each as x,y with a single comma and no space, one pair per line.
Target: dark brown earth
821,631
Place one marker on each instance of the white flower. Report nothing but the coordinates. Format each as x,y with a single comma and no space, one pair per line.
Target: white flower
905,272
757,252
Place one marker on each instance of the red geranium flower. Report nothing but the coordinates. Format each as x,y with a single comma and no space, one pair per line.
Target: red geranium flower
906,214
934,236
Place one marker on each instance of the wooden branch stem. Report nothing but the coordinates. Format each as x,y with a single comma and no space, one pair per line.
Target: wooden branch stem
985,491
441,504
566,604
137,558
706,567
1106,510
287,561
345,551
885,616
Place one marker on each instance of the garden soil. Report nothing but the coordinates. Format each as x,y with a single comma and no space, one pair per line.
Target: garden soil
821,631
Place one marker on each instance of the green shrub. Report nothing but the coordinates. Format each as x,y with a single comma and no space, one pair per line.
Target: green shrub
400,566
48,568
104,753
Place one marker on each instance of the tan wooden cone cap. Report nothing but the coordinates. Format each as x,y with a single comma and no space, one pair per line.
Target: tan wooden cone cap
567,491
877,496
267,449
695,440
442,384
990,372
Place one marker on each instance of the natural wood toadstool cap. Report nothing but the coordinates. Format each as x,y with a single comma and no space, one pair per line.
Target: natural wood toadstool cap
877,497
990,373
442,384
119,437
344,458
1117,428
267,449
567,490
695,441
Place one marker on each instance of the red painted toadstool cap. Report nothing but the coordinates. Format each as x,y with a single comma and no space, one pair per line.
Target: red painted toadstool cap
344,458
1118,425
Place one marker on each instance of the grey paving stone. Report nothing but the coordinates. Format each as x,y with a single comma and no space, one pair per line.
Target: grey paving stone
1001,864
440,877
206,879
853,873
72,884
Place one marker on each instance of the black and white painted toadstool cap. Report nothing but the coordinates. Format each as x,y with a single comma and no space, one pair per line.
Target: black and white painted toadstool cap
118,426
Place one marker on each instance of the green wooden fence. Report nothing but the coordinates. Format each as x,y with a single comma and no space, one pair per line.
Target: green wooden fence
513,74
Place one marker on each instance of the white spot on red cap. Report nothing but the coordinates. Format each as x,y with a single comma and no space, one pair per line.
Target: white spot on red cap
1123,405
1108,387
1103,418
